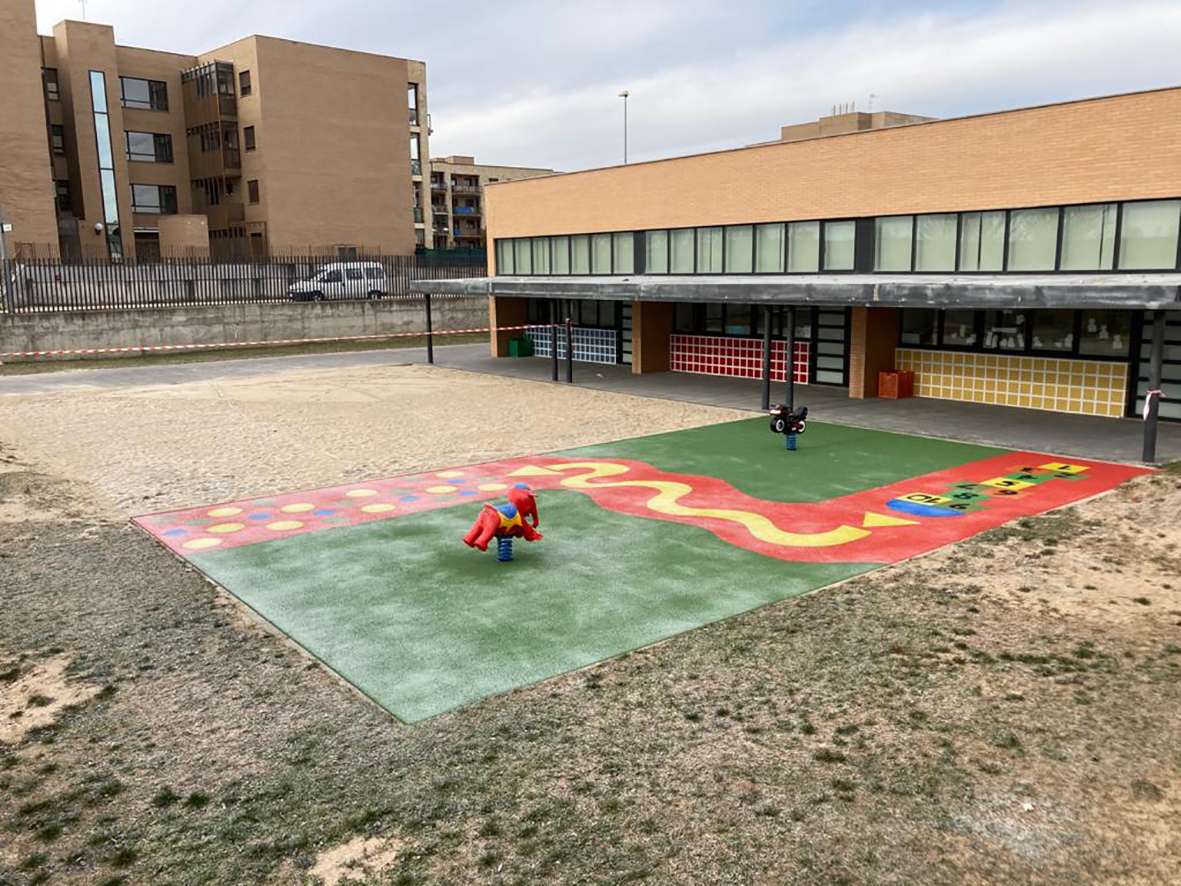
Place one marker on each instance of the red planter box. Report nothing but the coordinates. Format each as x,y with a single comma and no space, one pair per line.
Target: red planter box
896,385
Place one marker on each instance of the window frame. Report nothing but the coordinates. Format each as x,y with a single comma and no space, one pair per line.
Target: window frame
249,139
136,104
980,321
162,205
253,192
245,84
156,143
694,233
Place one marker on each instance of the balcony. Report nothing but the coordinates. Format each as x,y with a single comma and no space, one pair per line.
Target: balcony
416,167
224,215
465,188
438,185
465,210
414,116
418,213
438,209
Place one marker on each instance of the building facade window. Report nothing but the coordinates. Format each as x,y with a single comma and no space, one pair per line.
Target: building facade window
248,139
57,139
740,249
52,89
146,95
541,263
412,101
149,147
1088,237
245,87
1133,236
656,252
106,165
934,242
153,199
560,255
803,247
982,241
1033,239
1092,334
839,245
1148,239
709,250
682,249
892,242
62,189
252,191
770,248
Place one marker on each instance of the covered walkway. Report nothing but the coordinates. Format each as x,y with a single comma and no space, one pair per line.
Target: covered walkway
1059,433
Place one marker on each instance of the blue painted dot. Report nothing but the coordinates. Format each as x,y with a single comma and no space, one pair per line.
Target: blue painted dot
467,492
324,513
177,532
408,498
259,517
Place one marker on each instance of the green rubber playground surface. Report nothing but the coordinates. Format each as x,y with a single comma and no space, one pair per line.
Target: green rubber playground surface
422,624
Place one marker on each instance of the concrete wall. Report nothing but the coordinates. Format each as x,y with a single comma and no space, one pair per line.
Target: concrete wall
1121,148
26,180
186,235
78,330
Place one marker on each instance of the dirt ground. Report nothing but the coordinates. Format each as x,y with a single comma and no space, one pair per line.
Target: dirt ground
1001,711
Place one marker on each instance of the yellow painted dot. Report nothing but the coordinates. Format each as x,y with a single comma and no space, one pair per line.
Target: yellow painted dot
222,528
296,508
200,544
441,490
361,493
377,509
284,525
492,487
448,475
224,512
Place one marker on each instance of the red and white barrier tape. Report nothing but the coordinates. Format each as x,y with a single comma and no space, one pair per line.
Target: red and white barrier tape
272,342
1155,392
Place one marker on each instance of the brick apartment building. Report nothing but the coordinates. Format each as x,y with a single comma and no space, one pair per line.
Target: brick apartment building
457,197
1019,258
259,146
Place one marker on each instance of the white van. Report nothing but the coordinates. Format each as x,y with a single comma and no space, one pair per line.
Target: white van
353,279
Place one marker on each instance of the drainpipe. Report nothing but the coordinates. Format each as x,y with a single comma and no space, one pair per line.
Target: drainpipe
1152,398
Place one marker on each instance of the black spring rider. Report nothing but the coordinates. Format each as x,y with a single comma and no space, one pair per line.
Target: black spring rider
785,421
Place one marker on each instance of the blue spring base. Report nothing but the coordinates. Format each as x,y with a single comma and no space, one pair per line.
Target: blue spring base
504,549
789,442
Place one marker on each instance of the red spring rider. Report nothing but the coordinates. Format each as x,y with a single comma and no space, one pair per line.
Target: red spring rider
506,522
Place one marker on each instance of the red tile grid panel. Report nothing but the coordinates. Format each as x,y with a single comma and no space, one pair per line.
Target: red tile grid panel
736,357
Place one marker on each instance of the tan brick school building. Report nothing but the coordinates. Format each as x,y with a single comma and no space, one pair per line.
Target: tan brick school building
1015,258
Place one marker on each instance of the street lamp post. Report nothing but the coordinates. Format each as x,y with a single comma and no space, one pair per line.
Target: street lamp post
623,95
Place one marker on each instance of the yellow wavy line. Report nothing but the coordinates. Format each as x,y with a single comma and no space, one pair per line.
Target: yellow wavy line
669,492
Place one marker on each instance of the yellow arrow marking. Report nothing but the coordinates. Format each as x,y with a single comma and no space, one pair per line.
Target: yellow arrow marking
668,494
874,521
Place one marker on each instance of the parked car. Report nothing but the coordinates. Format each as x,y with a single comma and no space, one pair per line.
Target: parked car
360,279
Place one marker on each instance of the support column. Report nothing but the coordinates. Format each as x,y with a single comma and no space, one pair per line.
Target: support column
873,339
652,324
505,311
1152,401
789,377
767,359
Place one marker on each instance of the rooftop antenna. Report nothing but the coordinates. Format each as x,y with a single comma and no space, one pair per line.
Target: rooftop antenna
872,96
83,5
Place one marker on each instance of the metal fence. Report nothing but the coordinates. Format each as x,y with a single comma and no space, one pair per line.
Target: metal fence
32,285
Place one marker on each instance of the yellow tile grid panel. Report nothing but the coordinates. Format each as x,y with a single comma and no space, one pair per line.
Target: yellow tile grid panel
1084,387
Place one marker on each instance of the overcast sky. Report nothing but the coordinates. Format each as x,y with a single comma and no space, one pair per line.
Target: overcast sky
532,83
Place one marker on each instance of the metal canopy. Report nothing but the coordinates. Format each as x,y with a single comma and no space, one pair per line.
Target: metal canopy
1116,291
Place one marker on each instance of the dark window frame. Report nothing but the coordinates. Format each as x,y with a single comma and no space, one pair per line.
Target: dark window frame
253,192
57,139
49,77
249,139
859,248
157,97
980,320
161,147
164,205
245,84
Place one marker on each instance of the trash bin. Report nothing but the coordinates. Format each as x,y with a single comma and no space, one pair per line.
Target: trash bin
896,384
520,347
